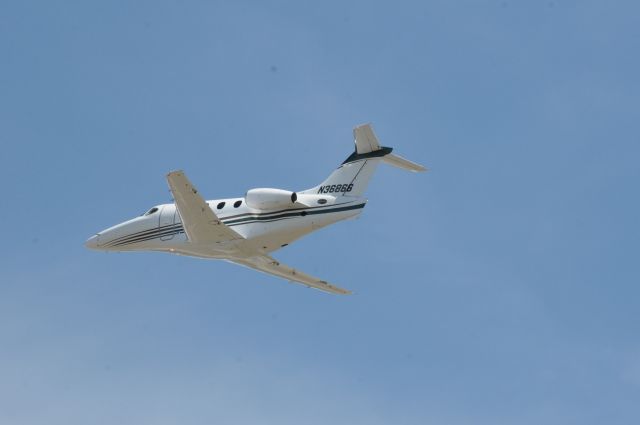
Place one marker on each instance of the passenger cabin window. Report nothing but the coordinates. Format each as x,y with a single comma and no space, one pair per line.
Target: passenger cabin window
220,205
237,204
322,201
151,211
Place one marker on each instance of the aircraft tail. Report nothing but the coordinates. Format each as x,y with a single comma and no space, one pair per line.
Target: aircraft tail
353,175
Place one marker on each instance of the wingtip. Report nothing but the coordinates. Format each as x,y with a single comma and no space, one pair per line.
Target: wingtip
341,291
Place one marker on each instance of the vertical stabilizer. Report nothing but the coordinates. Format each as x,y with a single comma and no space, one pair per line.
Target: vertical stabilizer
365,139
354,174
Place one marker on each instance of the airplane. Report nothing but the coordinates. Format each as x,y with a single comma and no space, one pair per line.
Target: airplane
247,229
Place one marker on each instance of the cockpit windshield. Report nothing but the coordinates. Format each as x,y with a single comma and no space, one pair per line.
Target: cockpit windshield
151,211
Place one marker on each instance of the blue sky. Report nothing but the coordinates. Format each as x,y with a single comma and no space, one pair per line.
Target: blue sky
501,287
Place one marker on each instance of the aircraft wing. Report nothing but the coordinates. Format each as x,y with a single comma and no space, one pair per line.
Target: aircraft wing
270,265
200,223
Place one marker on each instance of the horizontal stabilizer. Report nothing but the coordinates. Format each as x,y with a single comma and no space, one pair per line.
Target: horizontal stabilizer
400,162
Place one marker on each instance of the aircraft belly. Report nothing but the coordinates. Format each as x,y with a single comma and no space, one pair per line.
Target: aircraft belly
271,236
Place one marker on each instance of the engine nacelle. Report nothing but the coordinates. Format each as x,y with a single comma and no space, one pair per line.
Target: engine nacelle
270,199
314,200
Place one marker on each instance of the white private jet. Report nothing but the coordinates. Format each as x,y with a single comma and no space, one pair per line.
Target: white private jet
245,230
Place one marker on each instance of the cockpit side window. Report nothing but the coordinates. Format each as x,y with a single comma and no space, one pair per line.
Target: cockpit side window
151,211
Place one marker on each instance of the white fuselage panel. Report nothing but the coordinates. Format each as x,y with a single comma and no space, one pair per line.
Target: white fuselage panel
265,231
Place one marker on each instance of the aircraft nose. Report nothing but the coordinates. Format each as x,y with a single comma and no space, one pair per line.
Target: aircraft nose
92,242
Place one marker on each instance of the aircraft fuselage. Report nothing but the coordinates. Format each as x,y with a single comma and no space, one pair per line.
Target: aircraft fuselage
160,229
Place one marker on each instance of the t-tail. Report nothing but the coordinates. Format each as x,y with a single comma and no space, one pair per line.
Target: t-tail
353,175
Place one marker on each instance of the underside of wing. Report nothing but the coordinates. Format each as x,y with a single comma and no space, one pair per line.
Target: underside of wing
200,223
270,265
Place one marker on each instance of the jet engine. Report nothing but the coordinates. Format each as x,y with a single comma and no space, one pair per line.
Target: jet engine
270,199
